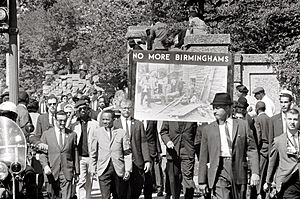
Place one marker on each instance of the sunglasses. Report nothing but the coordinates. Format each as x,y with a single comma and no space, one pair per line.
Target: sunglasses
52,104
83,108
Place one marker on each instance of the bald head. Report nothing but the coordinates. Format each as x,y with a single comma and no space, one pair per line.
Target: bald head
260,107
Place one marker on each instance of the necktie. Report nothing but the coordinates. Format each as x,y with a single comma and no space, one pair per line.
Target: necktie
60,140
52,120
127,129
229,141
110,134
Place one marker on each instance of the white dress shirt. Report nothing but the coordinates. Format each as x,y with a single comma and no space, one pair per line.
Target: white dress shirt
224,144
57,133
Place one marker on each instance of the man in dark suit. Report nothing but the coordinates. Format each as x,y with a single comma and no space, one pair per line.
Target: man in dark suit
139,146
154,178
262,125
179,137
111,158
44,122
278,124
284,160
61,163
225,146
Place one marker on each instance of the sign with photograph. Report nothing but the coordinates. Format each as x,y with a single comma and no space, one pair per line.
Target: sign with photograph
177,86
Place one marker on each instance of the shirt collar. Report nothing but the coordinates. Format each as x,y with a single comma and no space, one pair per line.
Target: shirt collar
229,121
57,130
291,135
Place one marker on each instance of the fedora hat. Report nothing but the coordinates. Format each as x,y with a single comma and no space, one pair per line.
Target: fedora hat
222,99
242,103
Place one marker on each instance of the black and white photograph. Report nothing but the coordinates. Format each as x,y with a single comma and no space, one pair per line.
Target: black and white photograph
177,92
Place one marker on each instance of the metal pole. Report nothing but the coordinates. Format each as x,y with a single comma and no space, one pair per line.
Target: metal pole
13,53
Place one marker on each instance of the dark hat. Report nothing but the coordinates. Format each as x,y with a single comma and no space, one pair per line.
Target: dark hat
241,88
222,99
258,90
80,103
242,103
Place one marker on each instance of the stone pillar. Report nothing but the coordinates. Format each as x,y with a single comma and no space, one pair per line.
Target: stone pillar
214,43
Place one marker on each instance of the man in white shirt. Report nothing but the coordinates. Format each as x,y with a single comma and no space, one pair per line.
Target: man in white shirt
225,146
259,94
139,145
278,123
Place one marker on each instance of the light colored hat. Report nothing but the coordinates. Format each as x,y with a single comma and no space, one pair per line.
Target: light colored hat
286,92
8,106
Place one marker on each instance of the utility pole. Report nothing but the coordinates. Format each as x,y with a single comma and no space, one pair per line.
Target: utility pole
13,52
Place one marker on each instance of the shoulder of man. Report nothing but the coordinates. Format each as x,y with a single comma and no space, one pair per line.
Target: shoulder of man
275,117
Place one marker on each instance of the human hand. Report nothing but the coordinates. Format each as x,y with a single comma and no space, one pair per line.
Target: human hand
203,189
170,145
42,147
147,167
47,170
266,187
126,176
254,180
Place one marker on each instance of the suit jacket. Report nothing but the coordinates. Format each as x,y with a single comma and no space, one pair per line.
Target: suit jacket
41,126
170,131
138,141
276,128
92,129
262,126
24,119
153,139
279,160
58,158
243,146
116,149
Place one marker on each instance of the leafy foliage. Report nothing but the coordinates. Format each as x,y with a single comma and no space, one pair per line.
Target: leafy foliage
94,31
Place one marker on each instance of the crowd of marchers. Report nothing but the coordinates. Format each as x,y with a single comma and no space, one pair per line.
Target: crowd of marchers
247,152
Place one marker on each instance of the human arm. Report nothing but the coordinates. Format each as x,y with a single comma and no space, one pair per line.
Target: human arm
273,163
127,155
252,154
44,157
164,132
145,148
94,154
203,163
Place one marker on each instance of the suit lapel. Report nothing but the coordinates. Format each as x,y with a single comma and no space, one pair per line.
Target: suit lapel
234,130
217,137
132,126
113,134
55,139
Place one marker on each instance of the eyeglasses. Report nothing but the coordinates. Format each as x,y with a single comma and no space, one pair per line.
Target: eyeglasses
83,108
52,104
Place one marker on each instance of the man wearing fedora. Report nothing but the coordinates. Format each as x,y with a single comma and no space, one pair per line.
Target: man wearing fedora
260,94
225,146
